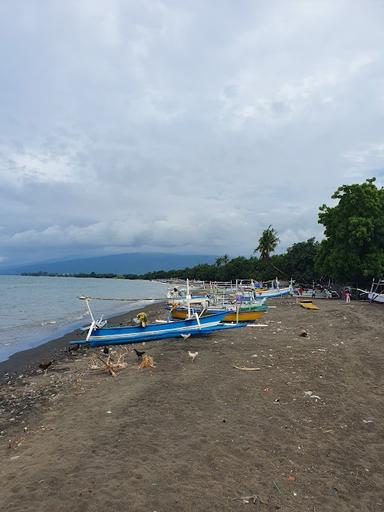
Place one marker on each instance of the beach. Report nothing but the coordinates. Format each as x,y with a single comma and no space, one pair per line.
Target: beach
302,431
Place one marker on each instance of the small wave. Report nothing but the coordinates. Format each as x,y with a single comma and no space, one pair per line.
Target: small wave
48,322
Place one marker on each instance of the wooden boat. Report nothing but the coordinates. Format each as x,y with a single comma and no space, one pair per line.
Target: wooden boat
132,334
376,293
101,336
314,293
376,297
272,293
233,313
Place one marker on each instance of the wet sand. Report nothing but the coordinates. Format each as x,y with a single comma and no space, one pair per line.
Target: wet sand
302,433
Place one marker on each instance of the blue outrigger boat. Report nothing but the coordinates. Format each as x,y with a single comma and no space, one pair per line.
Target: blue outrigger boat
99,335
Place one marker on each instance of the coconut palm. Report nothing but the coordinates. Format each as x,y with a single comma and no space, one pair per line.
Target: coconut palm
222,260
267,242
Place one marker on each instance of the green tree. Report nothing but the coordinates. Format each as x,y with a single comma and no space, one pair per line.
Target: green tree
222,260
237,268
353,249
299,261
267,243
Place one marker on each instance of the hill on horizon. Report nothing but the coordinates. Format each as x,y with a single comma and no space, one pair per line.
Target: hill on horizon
128,263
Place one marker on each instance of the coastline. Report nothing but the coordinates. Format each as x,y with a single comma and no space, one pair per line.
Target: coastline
26,361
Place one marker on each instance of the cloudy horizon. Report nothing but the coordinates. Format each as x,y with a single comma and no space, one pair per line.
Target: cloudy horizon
185,127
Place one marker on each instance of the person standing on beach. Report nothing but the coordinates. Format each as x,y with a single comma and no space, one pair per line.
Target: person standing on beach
347,295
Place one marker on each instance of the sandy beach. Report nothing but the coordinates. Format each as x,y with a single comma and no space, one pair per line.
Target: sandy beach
304,432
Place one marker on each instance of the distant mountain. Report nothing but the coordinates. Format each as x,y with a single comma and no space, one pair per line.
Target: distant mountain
130,263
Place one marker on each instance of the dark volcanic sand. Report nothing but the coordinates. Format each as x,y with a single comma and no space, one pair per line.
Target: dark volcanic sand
195,436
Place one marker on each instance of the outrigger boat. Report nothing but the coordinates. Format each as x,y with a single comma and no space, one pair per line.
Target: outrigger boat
255,289
233,313
376,293
272,293
99,335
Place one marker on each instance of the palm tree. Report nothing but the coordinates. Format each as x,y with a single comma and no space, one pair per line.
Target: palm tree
222,260
267,242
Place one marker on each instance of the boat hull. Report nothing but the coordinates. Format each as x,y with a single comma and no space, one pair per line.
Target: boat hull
273,293
376,297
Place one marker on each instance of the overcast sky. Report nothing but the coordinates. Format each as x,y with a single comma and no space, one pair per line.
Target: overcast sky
182,125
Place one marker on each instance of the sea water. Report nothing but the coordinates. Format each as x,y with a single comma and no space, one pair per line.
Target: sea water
34,310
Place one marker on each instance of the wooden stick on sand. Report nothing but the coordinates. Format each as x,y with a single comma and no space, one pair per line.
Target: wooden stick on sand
247,369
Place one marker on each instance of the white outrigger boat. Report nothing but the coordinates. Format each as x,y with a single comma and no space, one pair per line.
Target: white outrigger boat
272,293
376,293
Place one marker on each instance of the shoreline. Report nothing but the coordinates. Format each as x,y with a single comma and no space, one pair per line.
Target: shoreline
301,432
28,360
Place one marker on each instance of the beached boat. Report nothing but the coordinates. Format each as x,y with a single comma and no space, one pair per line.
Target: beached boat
233,313
272,293
376,293
193,300
136,334
315,293
243,289
100,335
183,297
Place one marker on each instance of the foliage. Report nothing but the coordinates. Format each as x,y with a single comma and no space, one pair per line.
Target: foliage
353,248
267,243
299,261
222,260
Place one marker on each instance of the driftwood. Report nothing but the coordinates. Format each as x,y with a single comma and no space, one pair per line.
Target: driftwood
247,369
147,362
111,365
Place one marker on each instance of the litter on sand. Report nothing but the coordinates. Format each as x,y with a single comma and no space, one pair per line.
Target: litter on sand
245,369
308,304
257,325
113,363
311,395
254,498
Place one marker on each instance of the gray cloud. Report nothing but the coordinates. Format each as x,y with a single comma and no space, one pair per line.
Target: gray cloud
182,126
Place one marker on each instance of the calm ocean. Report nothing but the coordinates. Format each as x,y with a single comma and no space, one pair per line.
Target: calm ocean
34,310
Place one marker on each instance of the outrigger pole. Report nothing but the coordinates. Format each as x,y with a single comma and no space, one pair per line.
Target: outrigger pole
86,298
93,323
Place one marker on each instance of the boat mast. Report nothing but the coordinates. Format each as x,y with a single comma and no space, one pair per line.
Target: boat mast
188,297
